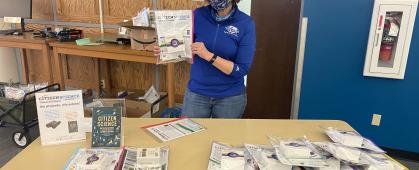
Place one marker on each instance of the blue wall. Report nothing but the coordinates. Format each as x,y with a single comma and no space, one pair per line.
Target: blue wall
333,86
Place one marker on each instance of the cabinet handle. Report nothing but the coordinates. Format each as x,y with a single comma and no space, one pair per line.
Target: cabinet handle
376,39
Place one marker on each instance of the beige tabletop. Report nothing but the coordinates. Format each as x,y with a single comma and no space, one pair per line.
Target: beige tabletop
187,153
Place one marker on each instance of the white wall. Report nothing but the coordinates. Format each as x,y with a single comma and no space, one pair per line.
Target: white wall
8,64
245,6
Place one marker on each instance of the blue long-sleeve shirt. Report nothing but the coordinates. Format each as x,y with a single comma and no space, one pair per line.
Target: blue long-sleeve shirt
233,39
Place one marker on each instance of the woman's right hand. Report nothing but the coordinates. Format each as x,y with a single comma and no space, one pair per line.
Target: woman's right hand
156,51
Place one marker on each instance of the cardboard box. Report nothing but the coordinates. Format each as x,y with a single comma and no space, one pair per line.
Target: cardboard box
142,38
134,108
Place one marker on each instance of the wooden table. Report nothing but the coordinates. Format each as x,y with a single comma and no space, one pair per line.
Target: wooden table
187,153
105,51
27,41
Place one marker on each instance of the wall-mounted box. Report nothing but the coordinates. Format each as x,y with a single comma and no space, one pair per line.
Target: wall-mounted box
390,35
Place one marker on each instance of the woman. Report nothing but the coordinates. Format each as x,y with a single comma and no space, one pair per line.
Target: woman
224,47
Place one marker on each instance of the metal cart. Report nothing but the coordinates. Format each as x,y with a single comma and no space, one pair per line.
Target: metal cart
22,114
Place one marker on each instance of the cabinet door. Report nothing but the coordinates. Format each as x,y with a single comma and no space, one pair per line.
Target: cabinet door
389,40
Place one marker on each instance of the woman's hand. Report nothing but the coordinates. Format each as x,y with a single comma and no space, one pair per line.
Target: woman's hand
199,49
156,51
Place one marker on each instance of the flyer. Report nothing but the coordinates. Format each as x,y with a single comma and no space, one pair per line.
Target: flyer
175,34
145,158
60,117
174,129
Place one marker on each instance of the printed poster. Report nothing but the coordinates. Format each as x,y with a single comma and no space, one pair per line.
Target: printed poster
60,117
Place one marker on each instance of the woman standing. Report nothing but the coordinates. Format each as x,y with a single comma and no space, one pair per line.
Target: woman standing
225,42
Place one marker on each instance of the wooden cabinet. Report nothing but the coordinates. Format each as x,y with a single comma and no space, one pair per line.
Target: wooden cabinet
390,35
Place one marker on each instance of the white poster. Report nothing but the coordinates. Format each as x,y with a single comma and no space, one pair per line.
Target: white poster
60,117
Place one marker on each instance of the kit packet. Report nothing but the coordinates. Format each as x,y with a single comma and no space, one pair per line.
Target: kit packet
352,139
265,157
304,154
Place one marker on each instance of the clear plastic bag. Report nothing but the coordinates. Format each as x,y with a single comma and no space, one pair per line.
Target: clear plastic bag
265,157
175,35
352,139
297,152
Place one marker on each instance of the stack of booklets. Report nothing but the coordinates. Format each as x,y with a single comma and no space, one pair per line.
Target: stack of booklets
348,151
116,159
356,151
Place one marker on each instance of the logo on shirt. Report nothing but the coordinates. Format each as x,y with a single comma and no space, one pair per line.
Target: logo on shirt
237,68
232,30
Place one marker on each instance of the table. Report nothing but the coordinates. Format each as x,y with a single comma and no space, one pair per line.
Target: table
105,51
187,153
27,41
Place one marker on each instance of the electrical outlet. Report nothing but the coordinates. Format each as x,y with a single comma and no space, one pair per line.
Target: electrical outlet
376,120
102,84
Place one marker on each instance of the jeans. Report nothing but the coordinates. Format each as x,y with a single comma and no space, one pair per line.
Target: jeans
199,106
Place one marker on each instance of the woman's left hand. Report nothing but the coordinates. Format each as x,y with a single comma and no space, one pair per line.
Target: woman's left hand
199,49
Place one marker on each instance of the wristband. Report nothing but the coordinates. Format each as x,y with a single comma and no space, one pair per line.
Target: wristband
214,57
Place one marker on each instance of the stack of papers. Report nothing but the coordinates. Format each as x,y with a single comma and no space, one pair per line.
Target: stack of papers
177,128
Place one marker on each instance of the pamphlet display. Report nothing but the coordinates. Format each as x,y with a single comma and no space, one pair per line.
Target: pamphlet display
177,128
60,117
106,127
175,34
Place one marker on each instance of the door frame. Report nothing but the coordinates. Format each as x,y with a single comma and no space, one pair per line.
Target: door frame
299,63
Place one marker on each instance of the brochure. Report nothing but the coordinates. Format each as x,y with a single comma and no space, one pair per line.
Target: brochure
145,158
94,159
60,117
174,129
106,127
175,34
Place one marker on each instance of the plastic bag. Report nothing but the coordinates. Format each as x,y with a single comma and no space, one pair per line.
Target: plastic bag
352,139
175,35
265,157
297,152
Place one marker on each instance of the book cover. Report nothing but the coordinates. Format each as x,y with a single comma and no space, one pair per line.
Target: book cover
106,127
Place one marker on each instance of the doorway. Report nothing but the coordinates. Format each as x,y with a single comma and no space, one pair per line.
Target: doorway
271,78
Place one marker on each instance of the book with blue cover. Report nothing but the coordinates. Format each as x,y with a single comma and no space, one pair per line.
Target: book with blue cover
106,127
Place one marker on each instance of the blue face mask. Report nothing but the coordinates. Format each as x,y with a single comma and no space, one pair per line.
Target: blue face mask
219,5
